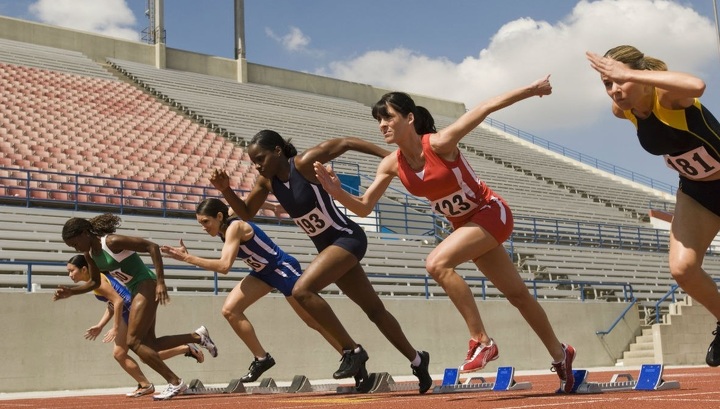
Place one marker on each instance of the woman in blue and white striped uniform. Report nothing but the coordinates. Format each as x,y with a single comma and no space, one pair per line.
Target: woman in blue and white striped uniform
340,242
270,268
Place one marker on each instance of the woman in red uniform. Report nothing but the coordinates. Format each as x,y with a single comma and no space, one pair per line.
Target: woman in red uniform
670,120
430,164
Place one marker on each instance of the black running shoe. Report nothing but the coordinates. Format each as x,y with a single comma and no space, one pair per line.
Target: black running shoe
257,368
422,373
713,354
351,363
362,380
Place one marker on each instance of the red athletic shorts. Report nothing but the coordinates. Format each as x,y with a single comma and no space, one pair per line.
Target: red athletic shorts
495,217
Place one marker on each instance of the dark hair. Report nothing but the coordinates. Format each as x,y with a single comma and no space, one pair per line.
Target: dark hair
97,226
635,59
402,103
78,261
269,140
211,207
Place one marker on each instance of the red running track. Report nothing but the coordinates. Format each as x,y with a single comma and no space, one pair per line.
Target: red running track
699,389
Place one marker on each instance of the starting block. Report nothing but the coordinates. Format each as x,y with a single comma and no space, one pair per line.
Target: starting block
196,387
376,382
300,383
504,381
649,379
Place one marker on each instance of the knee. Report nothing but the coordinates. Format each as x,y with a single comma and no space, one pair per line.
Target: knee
437,269
683,269
302,295
520,299
120,354
229,313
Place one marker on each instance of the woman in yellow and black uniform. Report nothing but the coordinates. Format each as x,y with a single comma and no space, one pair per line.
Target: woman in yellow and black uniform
671,121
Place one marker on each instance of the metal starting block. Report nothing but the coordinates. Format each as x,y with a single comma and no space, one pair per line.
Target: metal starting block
504,381
649,379
196,387
300,383
376,382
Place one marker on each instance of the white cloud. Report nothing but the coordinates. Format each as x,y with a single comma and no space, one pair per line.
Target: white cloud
107,17
295,40
525,49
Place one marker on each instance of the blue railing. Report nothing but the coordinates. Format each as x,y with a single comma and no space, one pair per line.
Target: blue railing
618,319
30,263
583,158
534,286
403,215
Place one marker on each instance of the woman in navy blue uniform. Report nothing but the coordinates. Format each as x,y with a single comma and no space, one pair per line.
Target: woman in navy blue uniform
340,242
270,268
119,300
665,108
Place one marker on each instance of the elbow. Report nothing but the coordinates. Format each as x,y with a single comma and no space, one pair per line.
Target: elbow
223,269
699,86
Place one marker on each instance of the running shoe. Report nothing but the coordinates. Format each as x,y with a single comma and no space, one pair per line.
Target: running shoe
350,363
195,352
206,342
362,380
257,367
141,391
422,373
171,391
564,368
479,355
713,353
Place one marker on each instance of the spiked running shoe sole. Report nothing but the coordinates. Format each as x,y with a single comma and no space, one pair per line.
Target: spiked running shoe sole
479,355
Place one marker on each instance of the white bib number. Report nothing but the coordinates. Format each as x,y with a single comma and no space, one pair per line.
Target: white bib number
454,205
120,276
695,164
314,222
254,264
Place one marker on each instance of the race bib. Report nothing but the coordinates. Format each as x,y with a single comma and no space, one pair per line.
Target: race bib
695,164
254,264
120,276
454,205
314,222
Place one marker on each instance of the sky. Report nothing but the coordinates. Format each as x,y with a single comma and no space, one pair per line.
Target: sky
459,50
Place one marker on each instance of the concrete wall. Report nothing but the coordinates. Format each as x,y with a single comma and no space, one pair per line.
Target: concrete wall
684,338
99,48
46,349
96,47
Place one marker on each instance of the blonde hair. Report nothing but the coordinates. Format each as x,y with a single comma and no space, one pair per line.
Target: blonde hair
636,60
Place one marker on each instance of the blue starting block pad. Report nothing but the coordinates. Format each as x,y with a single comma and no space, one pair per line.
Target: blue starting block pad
649,379
504,381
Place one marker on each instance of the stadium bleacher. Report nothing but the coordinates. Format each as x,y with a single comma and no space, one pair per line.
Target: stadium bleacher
131,136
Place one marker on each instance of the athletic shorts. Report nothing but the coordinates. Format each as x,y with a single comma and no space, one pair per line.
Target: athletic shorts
283,280
356,243
495,217
137,279
705,193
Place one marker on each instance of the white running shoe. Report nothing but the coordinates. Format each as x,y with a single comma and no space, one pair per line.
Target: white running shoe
206,342
195,352
171,391
141,391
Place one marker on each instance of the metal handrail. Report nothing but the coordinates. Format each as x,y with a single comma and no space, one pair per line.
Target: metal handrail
617,320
